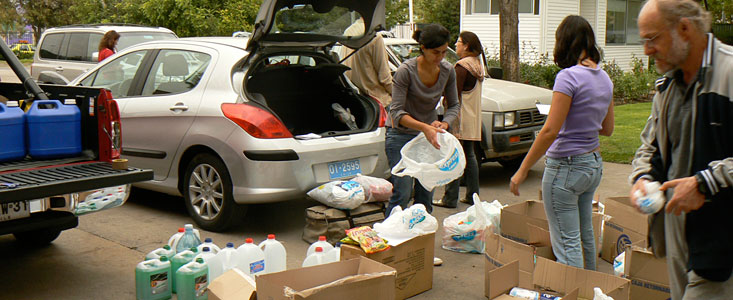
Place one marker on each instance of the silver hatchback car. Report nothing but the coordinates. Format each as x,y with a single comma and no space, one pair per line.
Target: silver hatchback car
227,121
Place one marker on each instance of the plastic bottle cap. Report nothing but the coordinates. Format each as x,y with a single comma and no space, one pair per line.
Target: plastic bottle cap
206,249
166,247
249,241
270,236
207,240
200,260
194,249
319,249
163,258
181,229
188,226
230,245
322,238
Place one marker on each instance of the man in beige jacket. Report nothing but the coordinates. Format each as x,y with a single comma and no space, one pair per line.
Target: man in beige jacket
369,66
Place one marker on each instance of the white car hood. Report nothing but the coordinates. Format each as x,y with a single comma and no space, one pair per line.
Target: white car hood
502,95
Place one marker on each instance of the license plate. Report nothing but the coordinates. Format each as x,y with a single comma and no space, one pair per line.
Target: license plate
536,133
345,168
15,210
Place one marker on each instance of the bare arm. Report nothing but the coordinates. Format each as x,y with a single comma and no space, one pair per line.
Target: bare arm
608,122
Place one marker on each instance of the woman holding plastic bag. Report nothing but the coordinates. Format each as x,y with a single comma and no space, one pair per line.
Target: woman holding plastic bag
582,108
418,85
469,76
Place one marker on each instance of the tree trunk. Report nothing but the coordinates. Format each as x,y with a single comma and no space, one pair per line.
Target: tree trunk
509,38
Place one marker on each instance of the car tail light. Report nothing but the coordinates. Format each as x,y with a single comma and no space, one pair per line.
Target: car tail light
257,122
110,129
382,112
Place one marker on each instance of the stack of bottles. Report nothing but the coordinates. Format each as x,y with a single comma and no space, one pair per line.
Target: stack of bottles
185,266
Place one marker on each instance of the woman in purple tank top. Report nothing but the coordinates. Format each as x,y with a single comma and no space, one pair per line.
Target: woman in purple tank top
582,109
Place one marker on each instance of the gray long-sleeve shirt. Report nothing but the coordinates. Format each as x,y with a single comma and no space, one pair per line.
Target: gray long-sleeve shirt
411,97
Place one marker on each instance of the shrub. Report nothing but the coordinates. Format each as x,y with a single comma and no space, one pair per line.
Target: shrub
634,86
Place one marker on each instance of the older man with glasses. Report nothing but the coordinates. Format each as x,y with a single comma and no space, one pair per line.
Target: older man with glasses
687,144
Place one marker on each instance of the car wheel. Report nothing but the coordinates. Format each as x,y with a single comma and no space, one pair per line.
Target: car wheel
512,163
208,194
37,238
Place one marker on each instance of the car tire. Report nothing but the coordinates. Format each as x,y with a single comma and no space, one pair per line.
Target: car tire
512,163
207,190
38,237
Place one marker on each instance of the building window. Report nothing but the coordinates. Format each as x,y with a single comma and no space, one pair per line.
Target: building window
492,6
621,18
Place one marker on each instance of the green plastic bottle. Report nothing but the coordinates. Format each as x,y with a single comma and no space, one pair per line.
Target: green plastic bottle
153,279
192,280
179,260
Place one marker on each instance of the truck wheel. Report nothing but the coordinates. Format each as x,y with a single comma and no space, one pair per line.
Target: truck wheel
208,194
37,238
512,163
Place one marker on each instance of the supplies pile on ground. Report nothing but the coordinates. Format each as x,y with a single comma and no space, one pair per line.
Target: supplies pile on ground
465,231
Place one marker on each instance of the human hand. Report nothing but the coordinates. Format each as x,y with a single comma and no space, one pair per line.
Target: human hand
639,185
431,133
686,196
439,124
516,180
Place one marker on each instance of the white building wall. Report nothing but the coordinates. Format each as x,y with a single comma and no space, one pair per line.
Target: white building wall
623,54
486,27
557,10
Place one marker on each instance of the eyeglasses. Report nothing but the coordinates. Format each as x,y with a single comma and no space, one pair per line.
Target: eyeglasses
649,42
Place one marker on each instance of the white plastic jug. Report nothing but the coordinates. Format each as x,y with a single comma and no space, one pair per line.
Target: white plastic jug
209,243
228,257
188,240
317,258
326,246
275,254
334,254
212,261
192,280
251,259
162,251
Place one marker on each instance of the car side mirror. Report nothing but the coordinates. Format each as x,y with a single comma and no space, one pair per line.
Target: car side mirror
496,73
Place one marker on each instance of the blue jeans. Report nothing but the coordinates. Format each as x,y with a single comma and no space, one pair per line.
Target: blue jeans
403,186
470,174
567,189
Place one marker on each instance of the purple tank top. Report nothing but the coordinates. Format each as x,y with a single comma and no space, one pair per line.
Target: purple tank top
591,91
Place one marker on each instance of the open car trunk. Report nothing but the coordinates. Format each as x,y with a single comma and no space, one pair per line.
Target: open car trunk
303,97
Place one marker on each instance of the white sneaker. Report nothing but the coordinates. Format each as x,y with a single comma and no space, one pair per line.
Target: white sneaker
437,261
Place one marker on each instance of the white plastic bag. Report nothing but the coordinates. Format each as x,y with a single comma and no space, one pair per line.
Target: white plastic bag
375,189
402,224
431,167
493,213
339,194
599,295
464,231
618,264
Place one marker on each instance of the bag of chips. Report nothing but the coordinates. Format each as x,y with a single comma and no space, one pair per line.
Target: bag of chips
368,239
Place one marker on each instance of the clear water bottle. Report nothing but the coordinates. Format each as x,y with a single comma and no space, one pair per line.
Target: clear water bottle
162,251
326,246
153,279
212,247
317,258
192,280
188,240
251,260
212,261
228,257
275,254
181,259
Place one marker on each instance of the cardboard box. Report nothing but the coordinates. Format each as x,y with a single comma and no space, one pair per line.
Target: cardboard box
501,251
570,282
526,222
353,279
412,259
624,227
648,274
233,284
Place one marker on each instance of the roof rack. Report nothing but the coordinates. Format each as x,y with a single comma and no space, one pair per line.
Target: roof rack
102,24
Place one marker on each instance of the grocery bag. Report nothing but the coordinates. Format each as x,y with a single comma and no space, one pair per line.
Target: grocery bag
431,167
464,231
376,189
339,194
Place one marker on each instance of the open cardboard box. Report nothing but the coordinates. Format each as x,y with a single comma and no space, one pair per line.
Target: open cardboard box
354,279
625,226
412,259
648,274
526,222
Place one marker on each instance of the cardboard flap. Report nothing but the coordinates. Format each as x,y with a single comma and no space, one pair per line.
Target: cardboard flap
504,250
573,295
641,264
561,278
233,284
538,236
503,279
290,293
626,215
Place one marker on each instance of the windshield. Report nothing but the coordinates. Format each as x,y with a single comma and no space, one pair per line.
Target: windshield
128,39
404,52
339,21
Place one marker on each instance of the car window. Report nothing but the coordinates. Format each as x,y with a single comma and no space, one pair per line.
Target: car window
78,45
404,52
51,45
128,39
291,60
175,71
117,75
304,18
93,47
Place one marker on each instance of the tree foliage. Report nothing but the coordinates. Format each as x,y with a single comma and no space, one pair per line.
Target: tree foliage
443,12
722,11
397,12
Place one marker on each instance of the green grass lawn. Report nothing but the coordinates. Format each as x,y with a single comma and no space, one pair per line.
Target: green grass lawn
630,120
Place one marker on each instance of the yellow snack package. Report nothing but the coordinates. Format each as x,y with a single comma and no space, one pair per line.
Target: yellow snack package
349,241
368,239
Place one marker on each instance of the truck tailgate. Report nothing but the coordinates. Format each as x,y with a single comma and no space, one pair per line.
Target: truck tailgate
64,179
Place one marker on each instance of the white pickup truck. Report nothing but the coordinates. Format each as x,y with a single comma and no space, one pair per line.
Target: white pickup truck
511,120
